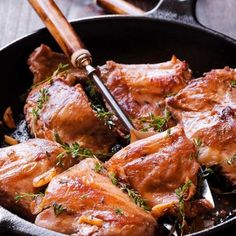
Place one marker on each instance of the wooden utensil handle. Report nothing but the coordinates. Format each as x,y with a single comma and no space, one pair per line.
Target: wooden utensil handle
119,7
60,28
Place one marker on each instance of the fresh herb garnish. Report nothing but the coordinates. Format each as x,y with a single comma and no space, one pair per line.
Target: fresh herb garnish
138,200
113,178
233,83
60,68
98,167
157,123
18,197
58,208
181,192
118,211
76,151
231,160
134,195
104,115
42,99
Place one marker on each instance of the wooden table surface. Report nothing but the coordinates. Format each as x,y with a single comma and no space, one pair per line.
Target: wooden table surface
18,19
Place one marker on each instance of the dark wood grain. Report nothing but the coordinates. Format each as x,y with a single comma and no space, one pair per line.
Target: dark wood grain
18,19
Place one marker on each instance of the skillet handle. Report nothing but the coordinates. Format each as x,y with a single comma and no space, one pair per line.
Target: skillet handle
182,11
62,31
119,7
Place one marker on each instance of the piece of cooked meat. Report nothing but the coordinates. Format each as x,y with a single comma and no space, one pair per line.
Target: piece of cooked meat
141,89
156,167
25,169
61,106
206,109
43,62
83,201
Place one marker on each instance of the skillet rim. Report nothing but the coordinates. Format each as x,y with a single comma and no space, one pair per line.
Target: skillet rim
148,18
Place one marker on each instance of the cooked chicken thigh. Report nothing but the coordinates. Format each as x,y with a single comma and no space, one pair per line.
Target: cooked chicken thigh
141,89
83,201
24,169
206,108
60,106
157,166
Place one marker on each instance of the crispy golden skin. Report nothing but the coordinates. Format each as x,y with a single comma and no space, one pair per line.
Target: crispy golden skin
26,168
206,109
141,89
157,166
66,109
92,205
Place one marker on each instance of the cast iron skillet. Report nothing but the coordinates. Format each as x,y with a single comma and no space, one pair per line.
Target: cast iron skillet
172,28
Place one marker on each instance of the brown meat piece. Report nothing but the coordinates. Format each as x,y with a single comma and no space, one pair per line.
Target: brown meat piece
91,205
141,89
65,110
206,109
43,62
26,168
156,167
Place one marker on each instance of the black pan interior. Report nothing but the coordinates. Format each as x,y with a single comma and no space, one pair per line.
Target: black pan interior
125,40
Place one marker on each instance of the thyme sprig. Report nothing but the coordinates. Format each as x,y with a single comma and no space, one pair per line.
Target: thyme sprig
42,99
233,83
76,151
58,208
18,197
60,68
181,192
157,123
104,115
118,211
134,195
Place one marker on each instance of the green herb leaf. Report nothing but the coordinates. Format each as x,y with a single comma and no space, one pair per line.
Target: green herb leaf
42,99
118,211
58,209
157,123
61,68
113,178
180,192
18,197
104,115
136,197
233,83
98,167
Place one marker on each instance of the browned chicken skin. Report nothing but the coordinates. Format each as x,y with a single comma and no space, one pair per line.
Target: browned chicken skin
62,107
157,166
91,205
142,89
26,168
206,109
